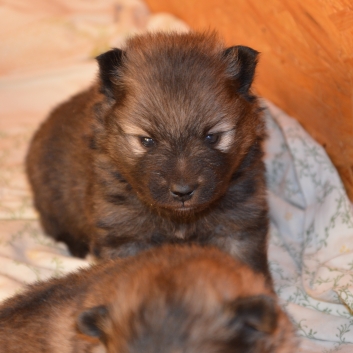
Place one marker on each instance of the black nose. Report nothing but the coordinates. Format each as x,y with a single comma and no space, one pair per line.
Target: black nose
182,192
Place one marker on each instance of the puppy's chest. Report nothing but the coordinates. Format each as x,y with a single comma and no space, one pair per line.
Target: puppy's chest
199,231
182,232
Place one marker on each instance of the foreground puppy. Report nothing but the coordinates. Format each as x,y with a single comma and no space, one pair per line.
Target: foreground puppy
166,146
169,299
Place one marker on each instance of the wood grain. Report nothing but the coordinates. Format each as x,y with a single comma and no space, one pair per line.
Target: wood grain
306,65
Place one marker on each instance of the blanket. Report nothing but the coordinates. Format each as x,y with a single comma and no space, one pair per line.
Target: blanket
46,55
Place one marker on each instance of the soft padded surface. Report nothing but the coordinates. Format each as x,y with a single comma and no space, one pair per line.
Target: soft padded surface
311,240
311,236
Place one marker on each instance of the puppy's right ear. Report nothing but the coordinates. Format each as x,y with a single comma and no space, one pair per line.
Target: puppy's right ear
109,64
241,62
256,312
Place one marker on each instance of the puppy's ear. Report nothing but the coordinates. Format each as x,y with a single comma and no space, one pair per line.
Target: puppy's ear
109,64
256,312
92,321
242,62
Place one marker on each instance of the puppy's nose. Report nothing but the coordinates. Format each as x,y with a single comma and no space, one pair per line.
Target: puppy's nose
182,192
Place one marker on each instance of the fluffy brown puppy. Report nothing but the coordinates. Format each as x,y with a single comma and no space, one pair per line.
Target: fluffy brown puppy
168,299
165,147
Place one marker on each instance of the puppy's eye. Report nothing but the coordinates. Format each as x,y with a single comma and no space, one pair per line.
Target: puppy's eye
147,141
212,139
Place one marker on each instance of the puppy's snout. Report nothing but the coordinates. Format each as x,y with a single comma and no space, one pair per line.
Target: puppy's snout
182,192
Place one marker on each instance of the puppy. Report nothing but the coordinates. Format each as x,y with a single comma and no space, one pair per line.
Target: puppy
168,299
165,148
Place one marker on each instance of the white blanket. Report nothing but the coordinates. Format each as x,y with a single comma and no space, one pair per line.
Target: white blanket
311,236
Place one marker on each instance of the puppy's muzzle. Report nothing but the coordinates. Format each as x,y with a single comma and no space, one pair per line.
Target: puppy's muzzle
182,192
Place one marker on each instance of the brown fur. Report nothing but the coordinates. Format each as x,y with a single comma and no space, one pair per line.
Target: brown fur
166,147
169,299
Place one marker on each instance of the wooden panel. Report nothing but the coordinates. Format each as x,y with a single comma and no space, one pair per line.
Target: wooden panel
306,65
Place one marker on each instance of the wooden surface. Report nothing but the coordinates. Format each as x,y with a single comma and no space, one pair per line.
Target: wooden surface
306,65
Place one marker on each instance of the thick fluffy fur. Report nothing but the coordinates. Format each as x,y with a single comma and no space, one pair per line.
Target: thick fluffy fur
165,148
168,299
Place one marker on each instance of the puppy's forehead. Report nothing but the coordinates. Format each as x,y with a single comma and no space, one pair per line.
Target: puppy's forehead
176,82
173,118
172,47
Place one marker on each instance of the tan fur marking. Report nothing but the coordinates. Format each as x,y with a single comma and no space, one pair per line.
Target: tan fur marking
227,139
132,133
135,144
99,349
131,129
222,126
180,233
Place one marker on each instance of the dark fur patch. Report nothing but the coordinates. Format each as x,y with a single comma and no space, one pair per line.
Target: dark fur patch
109,64
116,199
243,73
91,321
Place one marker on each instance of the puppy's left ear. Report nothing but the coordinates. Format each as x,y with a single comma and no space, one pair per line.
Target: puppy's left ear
109,64
242,62
92,322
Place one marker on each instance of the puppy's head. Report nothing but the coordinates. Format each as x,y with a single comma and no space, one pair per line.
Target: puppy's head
182,116
190,300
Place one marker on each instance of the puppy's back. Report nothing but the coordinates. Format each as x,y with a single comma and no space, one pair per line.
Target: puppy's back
198,300
173,298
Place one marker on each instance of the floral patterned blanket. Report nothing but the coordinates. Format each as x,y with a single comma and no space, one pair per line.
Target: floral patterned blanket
311,235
